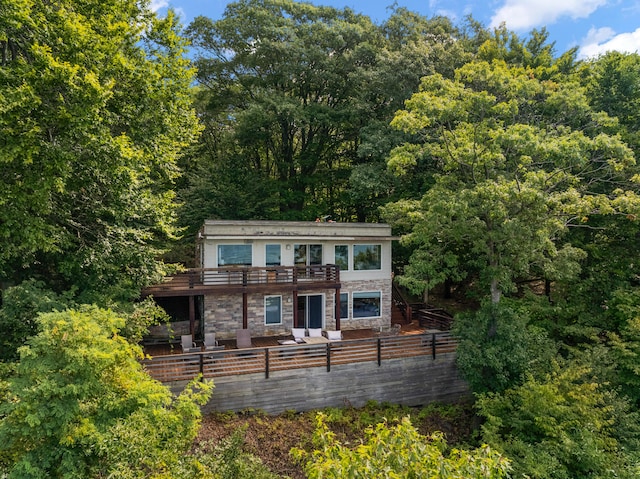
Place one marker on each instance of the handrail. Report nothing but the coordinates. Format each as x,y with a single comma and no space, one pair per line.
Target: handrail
264,360
243,276
401,302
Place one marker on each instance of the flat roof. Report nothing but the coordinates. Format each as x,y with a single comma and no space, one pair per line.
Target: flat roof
301,230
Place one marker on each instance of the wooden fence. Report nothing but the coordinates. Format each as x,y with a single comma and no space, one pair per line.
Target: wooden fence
231,362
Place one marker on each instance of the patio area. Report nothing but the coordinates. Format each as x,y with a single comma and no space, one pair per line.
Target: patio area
168,348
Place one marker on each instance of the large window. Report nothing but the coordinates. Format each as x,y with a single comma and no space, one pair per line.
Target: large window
342,257
273,255
307,254
367,256
366,304
234,254
273,310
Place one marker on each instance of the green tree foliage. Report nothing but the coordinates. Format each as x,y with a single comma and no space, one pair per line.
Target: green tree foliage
80,405
519,160
613,86
297,100
563,426
397,451
284,78
19,314
95,109
498,347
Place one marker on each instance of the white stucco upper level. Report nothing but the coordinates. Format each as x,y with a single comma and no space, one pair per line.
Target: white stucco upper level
362,250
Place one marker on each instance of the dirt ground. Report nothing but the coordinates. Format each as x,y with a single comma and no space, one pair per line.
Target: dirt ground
272,437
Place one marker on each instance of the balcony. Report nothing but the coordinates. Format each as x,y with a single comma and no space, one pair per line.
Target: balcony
239,279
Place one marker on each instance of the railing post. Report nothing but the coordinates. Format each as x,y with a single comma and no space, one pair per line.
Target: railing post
433,345
328,357
266,363
379,342
202,365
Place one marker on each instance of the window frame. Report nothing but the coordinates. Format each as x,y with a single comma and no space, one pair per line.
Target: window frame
378,246
266,313
220,256
343,304
335,256
266,254
357,295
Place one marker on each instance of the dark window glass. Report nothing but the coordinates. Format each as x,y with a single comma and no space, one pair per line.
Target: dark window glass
234,254
366,304
342,257
367,256
273,256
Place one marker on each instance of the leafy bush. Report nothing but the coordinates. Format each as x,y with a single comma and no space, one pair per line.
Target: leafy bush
497,346
396,451
79,404
562,427
19,314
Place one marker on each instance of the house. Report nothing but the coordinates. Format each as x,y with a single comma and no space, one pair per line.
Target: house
272,276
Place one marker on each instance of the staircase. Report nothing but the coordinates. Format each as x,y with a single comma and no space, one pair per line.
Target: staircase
428,316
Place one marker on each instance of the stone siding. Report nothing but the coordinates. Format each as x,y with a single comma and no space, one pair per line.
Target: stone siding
223,313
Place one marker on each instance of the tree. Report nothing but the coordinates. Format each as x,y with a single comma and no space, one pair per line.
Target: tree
397,451
498,346
80,405
96,109
519,160
284,78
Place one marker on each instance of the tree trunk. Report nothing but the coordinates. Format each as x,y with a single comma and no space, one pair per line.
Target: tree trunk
495,292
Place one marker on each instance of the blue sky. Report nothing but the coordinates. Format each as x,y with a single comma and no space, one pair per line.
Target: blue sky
595,26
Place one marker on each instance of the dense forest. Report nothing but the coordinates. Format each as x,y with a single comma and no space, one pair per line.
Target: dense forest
507,168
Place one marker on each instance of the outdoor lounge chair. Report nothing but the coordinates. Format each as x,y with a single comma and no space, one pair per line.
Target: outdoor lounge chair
334,335
210,342
243,339
188,346
315,332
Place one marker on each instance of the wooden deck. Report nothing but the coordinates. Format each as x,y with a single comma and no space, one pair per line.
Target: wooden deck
238,279
267,356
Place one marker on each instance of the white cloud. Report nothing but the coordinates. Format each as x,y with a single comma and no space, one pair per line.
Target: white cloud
602,40
527,14
158,4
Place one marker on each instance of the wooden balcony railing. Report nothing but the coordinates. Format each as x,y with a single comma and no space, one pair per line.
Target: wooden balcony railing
230,362
238,277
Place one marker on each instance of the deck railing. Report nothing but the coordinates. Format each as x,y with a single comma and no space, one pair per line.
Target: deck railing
245,276
212,364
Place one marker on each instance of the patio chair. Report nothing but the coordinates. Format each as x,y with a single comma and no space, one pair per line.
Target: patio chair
334,335
210,342
243,339
188,346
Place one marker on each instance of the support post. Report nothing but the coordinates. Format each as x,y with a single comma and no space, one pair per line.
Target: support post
192,316
245,311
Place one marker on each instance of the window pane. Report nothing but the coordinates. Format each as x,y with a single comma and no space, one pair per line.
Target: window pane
273,310
342,257
273,255
367,256
344,305
300,254
234,254
315,254
366,305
